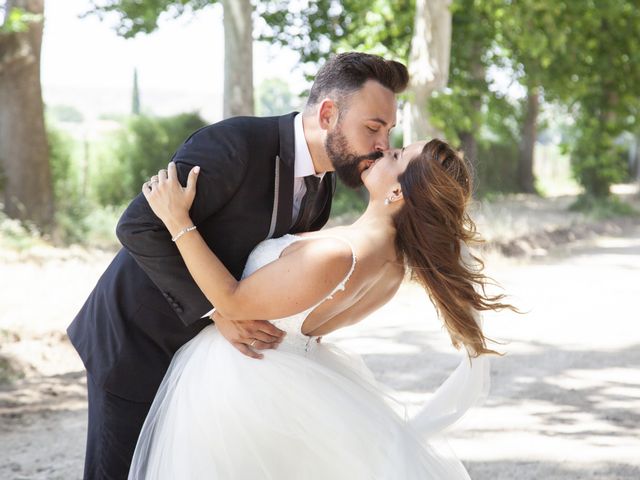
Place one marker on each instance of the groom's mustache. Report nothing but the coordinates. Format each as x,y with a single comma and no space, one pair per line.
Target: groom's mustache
370,156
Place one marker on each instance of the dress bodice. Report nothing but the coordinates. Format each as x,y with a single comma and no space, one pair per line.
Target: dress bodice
270,250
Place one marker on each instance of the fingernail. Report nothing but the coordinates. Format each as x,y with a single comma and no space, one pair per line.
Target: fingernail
197,169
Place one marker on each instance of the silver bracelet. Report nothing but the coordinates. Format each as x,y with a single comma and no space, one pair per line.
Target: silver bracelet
183,231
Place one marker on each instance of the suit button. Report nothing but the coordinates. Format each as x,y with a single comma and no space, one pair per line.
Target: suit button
179,309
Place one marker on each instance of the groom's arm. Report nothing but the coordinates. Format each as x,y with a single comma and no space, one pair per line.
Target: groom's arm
223,164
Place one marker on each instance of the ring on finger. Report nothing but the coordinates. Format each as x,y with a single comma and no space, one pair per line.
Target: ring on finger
253,342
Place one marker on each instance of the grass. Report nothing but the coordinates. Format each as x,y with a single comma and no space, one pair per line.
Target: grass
603,208
96,229
101,227
17,235
8,372
8,369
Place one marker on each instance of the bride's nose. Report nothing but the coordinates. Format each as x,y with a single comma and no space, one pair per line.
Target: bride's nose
392,152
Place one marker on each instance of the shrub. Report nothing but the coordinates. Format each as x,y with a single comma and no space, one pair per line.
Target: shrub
141,149
347,200
71,206
497,168
603,207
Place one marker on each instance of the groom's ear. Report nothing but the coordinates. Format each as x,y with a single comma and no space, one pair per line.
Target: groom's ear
327,114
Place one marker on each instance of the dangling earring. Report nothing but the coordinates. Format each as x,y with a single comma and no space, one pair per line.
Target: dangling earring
387,201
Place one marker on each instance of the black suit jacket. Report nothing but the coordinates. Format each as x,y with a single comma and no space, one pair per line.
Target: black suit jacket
146,305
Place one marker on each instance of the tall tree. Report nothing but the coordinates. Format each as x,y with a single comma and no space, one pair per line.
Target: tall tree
141,16
585,55
417,32
526,152
24,155
428,66
238,58
459,110
531,41
135,96
600,67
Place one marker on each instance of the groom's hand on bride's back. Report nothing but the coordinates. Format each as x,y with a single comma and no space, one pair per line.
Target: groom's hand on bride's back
249,336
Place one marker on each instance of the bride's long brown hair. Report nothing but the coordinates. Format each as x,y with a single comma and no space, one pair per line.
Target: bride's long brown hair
433,231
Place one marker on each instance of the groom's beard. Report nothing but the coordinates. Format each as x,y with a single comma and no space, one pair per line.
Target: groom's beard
345,162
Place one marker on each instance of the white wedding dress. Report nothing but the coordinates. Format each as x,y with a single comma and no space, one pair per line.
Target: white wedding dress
306,411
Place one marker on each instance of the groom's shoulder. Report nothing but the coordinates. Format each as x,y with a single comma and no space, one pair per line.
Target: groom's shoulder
248,127
237,137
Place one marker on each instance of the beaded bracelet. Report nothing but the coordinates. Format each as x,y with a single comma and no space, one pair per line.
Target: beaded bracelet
183,231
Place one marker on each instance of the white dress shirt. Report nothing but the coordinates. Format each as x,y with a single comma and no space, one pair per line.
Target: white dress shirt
303,166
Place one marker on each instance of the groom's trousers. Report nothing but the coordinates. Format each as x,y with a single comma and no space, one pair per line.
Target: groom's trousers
114,426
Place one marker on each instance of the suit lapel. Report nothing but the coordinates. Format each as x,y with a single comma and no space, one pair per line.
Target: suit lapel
283,179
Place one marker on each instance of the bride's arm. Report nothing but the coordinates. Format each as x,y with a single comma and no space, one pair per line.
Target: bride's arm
281,288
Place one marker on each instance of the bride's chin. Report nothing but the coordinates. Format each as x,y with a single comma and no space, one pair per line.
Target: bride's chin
364,183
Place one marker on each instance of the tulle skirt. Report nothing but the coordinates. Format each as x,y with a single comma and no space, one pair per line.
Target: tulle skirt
321,415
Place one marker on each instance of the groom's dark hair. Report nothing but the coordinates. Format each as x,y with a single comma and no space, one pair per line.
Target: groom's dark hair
346,73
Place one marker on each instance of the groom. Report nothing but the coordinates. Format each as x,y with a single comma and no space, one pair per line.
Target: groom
259,178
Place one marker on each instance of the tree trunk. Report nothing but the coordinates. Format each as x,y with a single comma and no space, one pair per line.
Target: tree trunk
469,146
238,58
527,145
636,159
468,141
24,153
428,66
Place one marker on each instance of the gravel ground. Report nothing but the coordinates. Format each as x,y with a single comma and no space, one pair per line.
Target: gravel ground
565,400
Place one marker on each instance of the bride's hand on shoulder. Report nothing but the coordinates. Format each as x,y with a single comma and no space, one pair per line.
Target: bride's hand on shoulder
168,199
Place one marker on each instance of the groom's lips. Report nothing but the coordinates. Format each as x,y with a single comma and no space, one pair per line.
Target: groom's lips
366,161
365,165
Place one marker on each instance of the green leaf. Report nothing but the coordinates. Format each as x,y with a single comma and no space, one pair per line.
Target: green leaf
18,20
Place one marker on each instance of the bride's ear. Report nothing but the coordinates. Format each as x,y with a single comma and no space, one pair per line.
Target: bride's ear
396,195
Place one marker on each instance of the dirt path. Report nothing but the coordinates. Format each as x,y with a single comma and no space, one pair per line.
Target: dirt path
565,401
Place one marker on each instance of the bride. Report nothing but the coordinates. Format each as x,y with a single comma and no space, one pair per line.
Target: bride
309,410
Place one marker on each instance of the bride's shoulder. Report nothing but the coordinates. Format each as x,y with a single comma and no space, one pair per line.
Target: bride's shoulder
323,248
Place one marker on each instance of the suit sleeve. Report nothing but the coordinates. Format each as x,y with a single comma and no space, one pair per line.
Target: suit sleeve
223,161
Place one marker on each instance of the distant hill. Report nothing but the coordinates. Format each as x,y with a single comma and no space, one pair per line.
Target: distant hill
94,102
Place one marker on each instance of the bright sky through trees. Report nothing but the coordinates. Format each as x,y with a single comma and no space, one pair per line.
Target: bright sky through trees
84,63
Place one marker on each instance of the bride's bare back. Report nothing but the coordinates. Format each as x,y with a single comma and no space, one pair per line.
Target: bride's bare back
375,280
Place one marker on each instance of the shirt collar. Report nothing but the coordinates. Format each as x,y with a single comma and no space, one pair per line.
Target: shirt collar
303,165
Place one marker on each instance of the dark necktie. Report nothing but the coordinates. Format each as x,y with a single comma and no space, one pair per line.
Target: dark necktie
306,206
